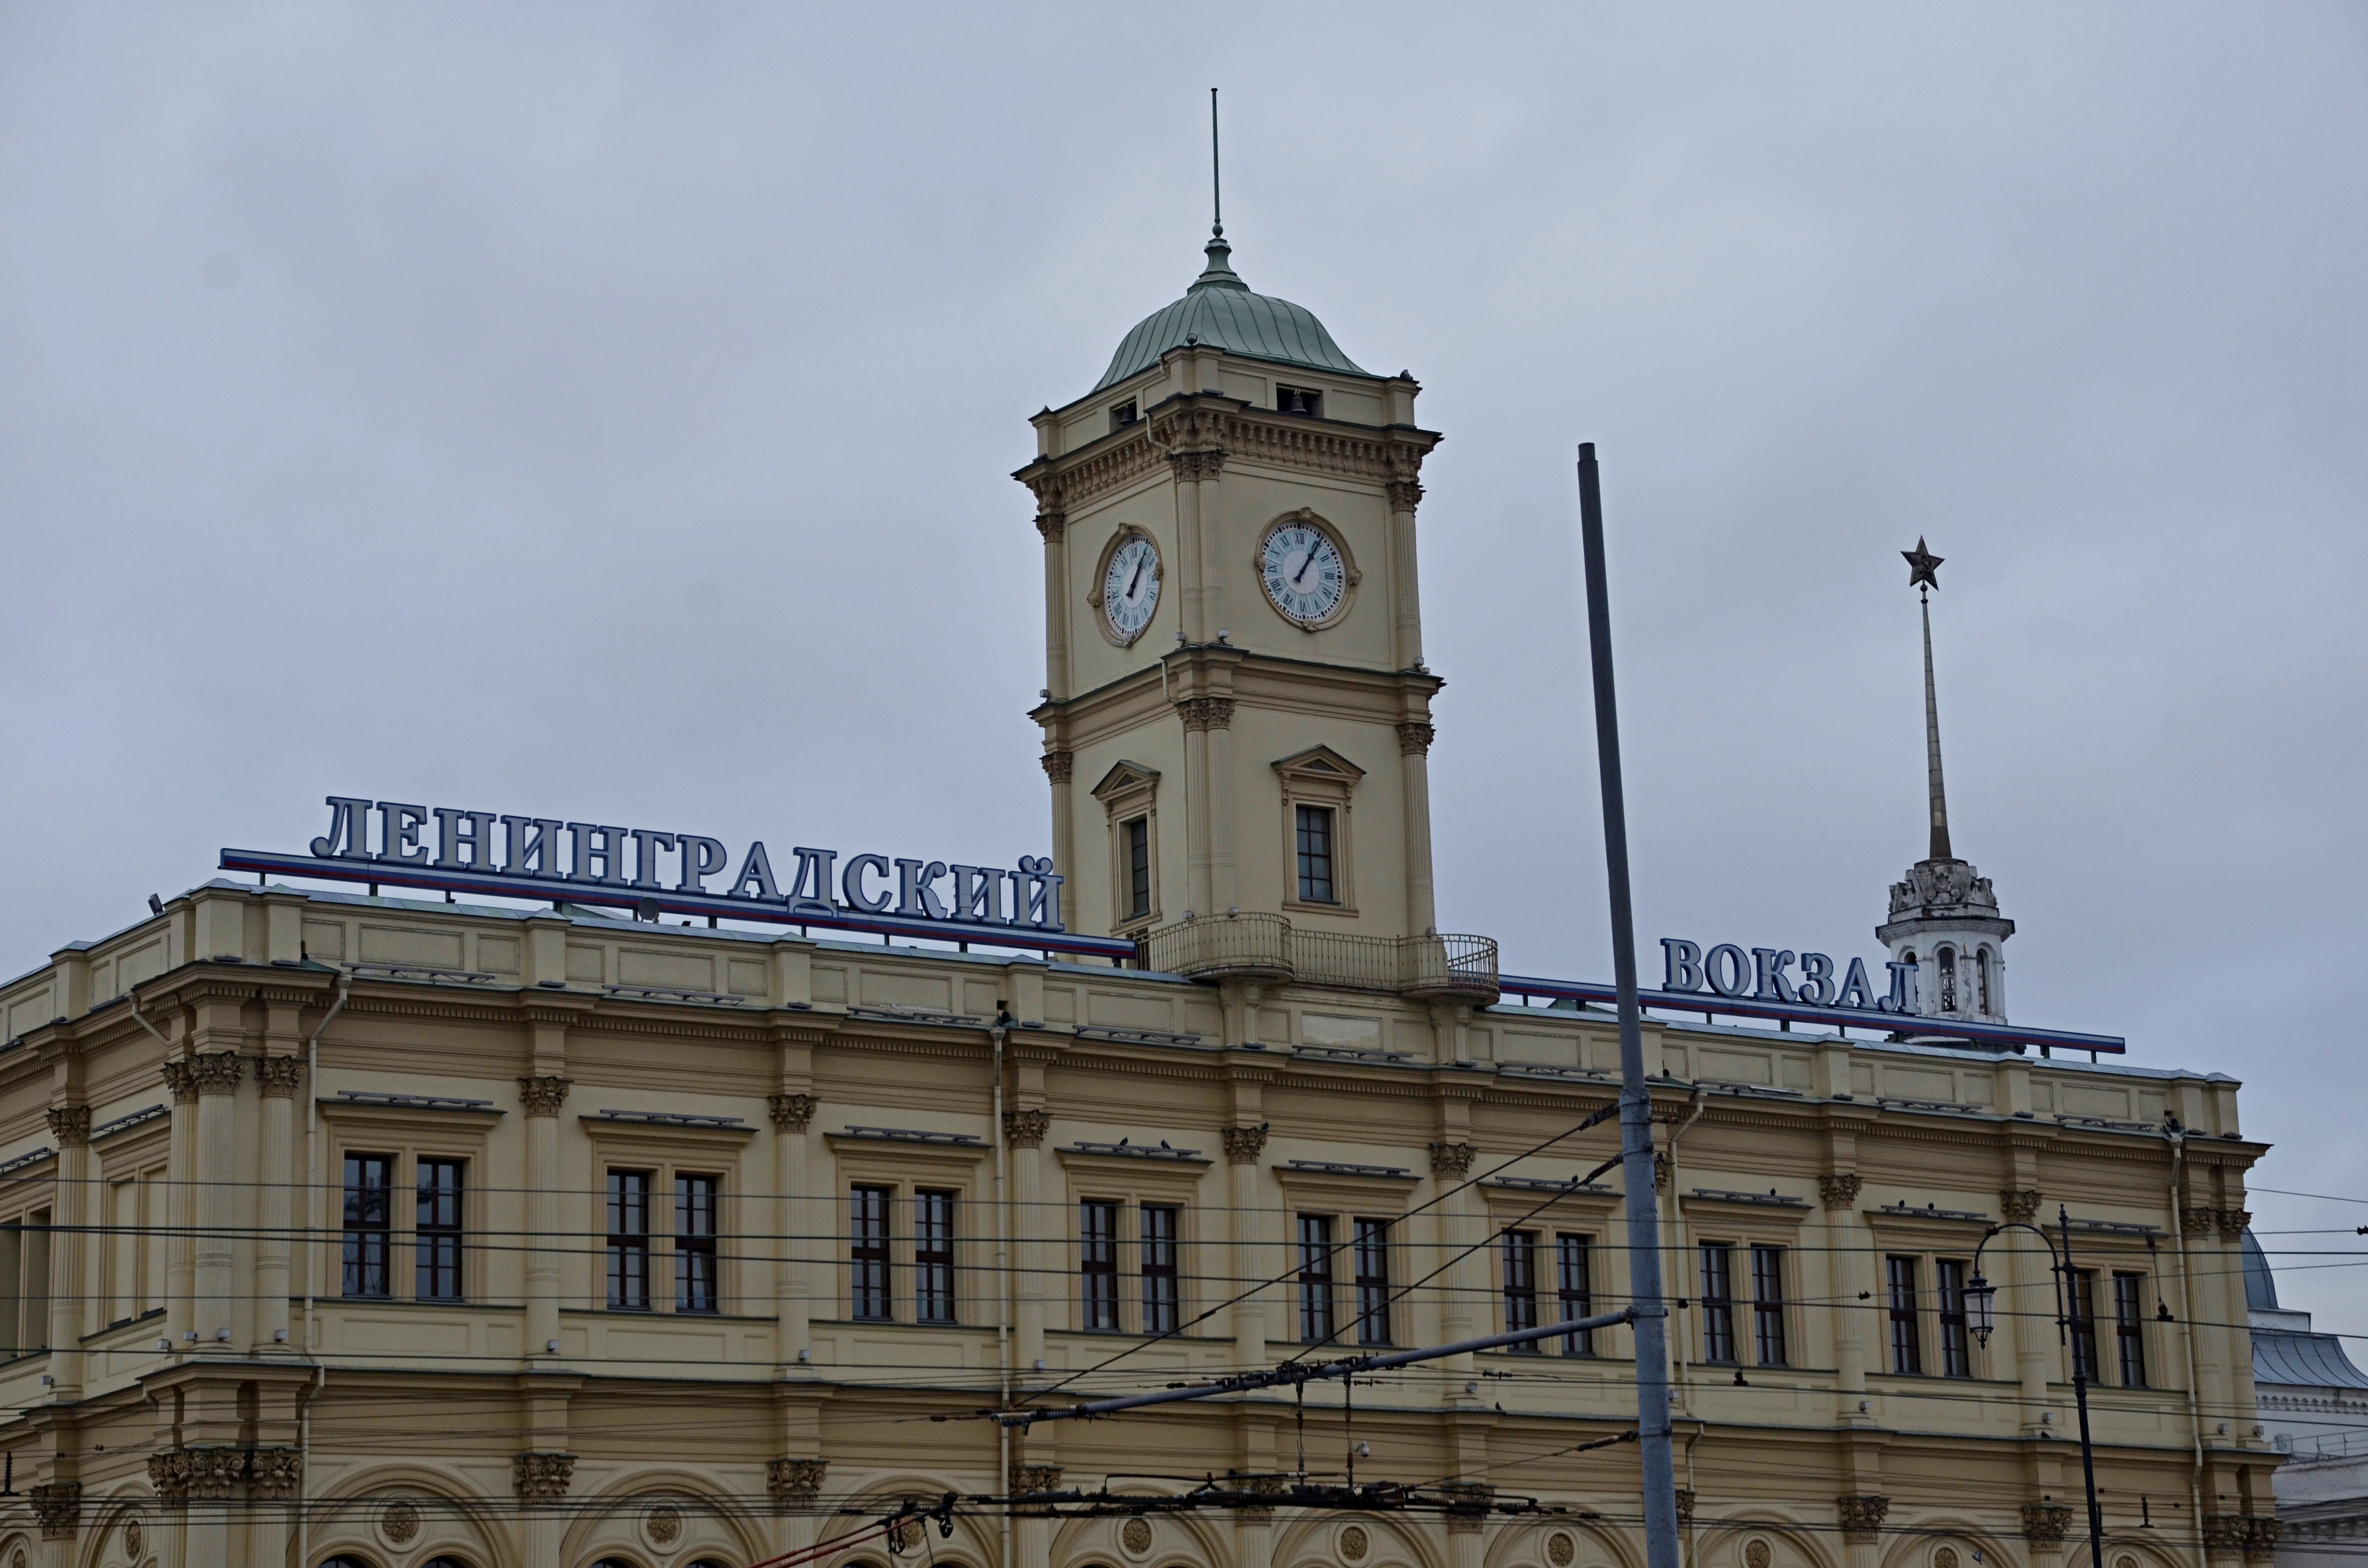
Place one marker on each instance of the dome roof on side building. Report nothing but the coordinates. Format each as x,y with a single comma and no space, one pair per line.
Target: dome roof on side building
1219,311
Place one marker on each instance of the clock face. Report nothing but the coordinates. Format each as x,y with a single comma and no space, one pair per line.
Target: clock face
1131,588
1303,572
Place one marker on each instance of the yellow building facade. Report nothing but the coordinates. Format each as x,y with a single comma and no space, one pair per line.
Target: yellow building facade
343,1229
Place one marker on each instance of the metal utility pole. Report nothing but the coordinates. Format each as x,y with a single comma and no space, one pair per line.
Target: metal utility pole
2079,1332
1645,1305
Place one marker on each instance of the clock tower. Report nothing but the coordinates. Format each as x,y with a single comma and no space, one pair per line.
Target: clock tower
1236,713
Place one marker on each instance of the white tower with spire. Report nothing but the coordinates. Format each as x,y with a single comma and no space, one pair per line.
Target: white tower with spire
1944,917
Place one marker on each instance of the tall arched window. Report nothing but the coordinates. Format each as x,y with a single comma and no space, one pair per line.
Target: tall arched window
1948,980
1982,979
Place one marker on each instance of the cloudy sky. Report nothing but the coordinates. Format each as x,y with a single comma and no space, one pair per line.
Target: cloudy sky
607,412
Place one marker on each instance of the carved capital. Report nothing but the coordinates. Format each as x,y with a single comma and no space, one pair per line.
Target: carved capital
1192,467
1414,740
1405,494
276,1473
1207,712
1057,764
1685,1505
1026,1128
2048,1523
1467,1504
1838,1191
1661,1173
210,1474
795,1481
542,1474
1052,525
543,1095
2261,1536
180,1080
278,1076
1262,1487
790,1113
1028,1480
1451,1159
2199,1221
2232,1222
1244,1144
2225,1535
1862,1515
70,1125
57,1506
217,1071
2020,1203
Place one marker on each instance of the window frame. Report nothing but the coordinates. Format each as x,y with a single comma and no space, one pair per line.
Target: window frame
1320,776
1370,1290
356,1264
2129,1329
1956,1346
411,1134
2080,1342
696,1263
627,1250
1129,793
1317,866
1517,1285
935,1229
1162,1291
1101,1224
1317,1273
1716,1272
439,1248
1903,1307
904,1169
1769,1303
1575,1301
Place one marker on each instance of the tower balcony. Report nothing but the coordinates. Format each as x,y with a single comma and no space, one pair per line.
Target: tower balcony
1267,947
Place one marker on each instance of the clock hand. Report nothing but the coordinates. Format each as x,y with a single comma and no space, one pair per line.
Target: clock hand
1130,582
1304,565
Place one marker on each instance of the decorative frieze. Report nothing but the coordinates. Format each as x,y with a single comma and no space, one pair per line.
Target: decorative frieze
1414,739
278,1076
1026,1128
57,1507
2047,1524
790,1113
1451,1159
1058,764
1207,712
537,1474
2018,1204
795,1481
218,1071
1838,1189
543,1095
1244,1144
1861,1517
70,1125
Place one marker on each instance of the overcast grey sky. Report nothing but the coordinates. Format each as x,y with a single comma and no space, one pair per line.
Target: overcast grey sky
606,412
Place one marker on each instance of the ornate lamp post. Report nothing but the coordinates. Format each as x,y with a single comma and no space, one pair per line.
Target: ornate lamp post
1981,1316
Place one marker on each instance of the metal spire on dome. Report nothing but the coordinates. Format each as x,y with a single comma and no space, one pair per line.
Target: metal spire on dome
1219,273
1923,575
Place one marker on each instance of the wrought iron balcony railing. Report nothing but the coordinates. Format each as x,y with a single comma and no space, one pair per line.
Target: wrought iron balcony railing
1267,947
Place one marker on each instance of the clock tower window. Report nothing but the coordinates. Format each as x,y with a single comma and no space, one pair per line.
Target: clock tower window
1130,797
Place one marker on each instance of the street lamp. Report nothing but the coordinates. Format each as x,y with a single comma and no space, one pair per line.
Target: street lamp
1981,1317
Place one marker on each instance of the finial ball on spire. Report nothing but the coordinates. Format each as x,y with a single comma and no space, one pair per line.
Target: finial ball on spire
1923,566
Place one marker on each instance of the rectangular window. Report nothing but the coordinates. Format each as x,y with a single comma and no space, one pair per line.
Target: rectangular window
629,1241
867,1251
1521,1276
933,1257
1097,1265
1314,1278
694,1244
2129,1330
1315,855
437,1253
1718,1302
1372,1260
1768,1305
1906,1341
368,1227
1575,1282
2084,1324
1956,1356
1161,1296
1138,868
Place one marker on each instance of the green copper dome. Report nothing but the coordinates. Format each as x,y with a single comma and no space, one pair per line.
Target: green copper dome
1219,310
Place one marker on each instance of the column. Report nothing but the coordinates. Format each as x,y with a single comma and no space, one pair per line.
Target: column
1199,865
2045,1525
1193,570
181,1206
1052,523
1406,596
1847,1266
1254,1529
69,1217
1246,1266
278,1077
542,1096
218,1073
541,1478
1467,1276
2026,1308
794,1222
1058,764
796,1486
57,1508
1414,777
275,1475
1862,1515
1023,1133
1217,714
2240,1359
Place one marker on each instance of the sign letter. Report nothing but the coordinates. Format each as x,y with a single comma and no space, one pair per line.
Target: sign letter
1903,988
1855,991
532,854
398,827
348,837
809,883
1816,979
914,893
978,894
758,869
1769,969
646,846
1680,965
606,844
702,859
472,831
852,887
1728,971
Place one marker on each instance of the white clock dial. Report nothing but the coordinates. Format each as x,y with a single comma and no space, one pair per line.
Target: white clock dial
1131,588
1303,572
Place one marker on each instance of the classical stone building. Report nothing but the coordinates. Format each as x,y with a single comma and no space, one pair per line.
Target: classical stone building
345,1229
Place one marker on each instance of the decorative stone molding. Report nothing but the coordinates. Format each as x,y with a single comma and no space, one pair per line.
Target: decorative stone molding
278,1076
795,1481
1192,467
1414,739
1451,1159
1244,1144
541,1474
1058,764
1026,1128
1862,1515
1207,712
1467,1506
209,1474
57,1506
180,1080
2019,1203
2047,1523
217,1071
1838,1191
1135,1535
399,1521
1685,1496
70,1125
663,1524
276,1473
2232,1222
2225,1535
543,1095
790,1113
1405,494
1031,1480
